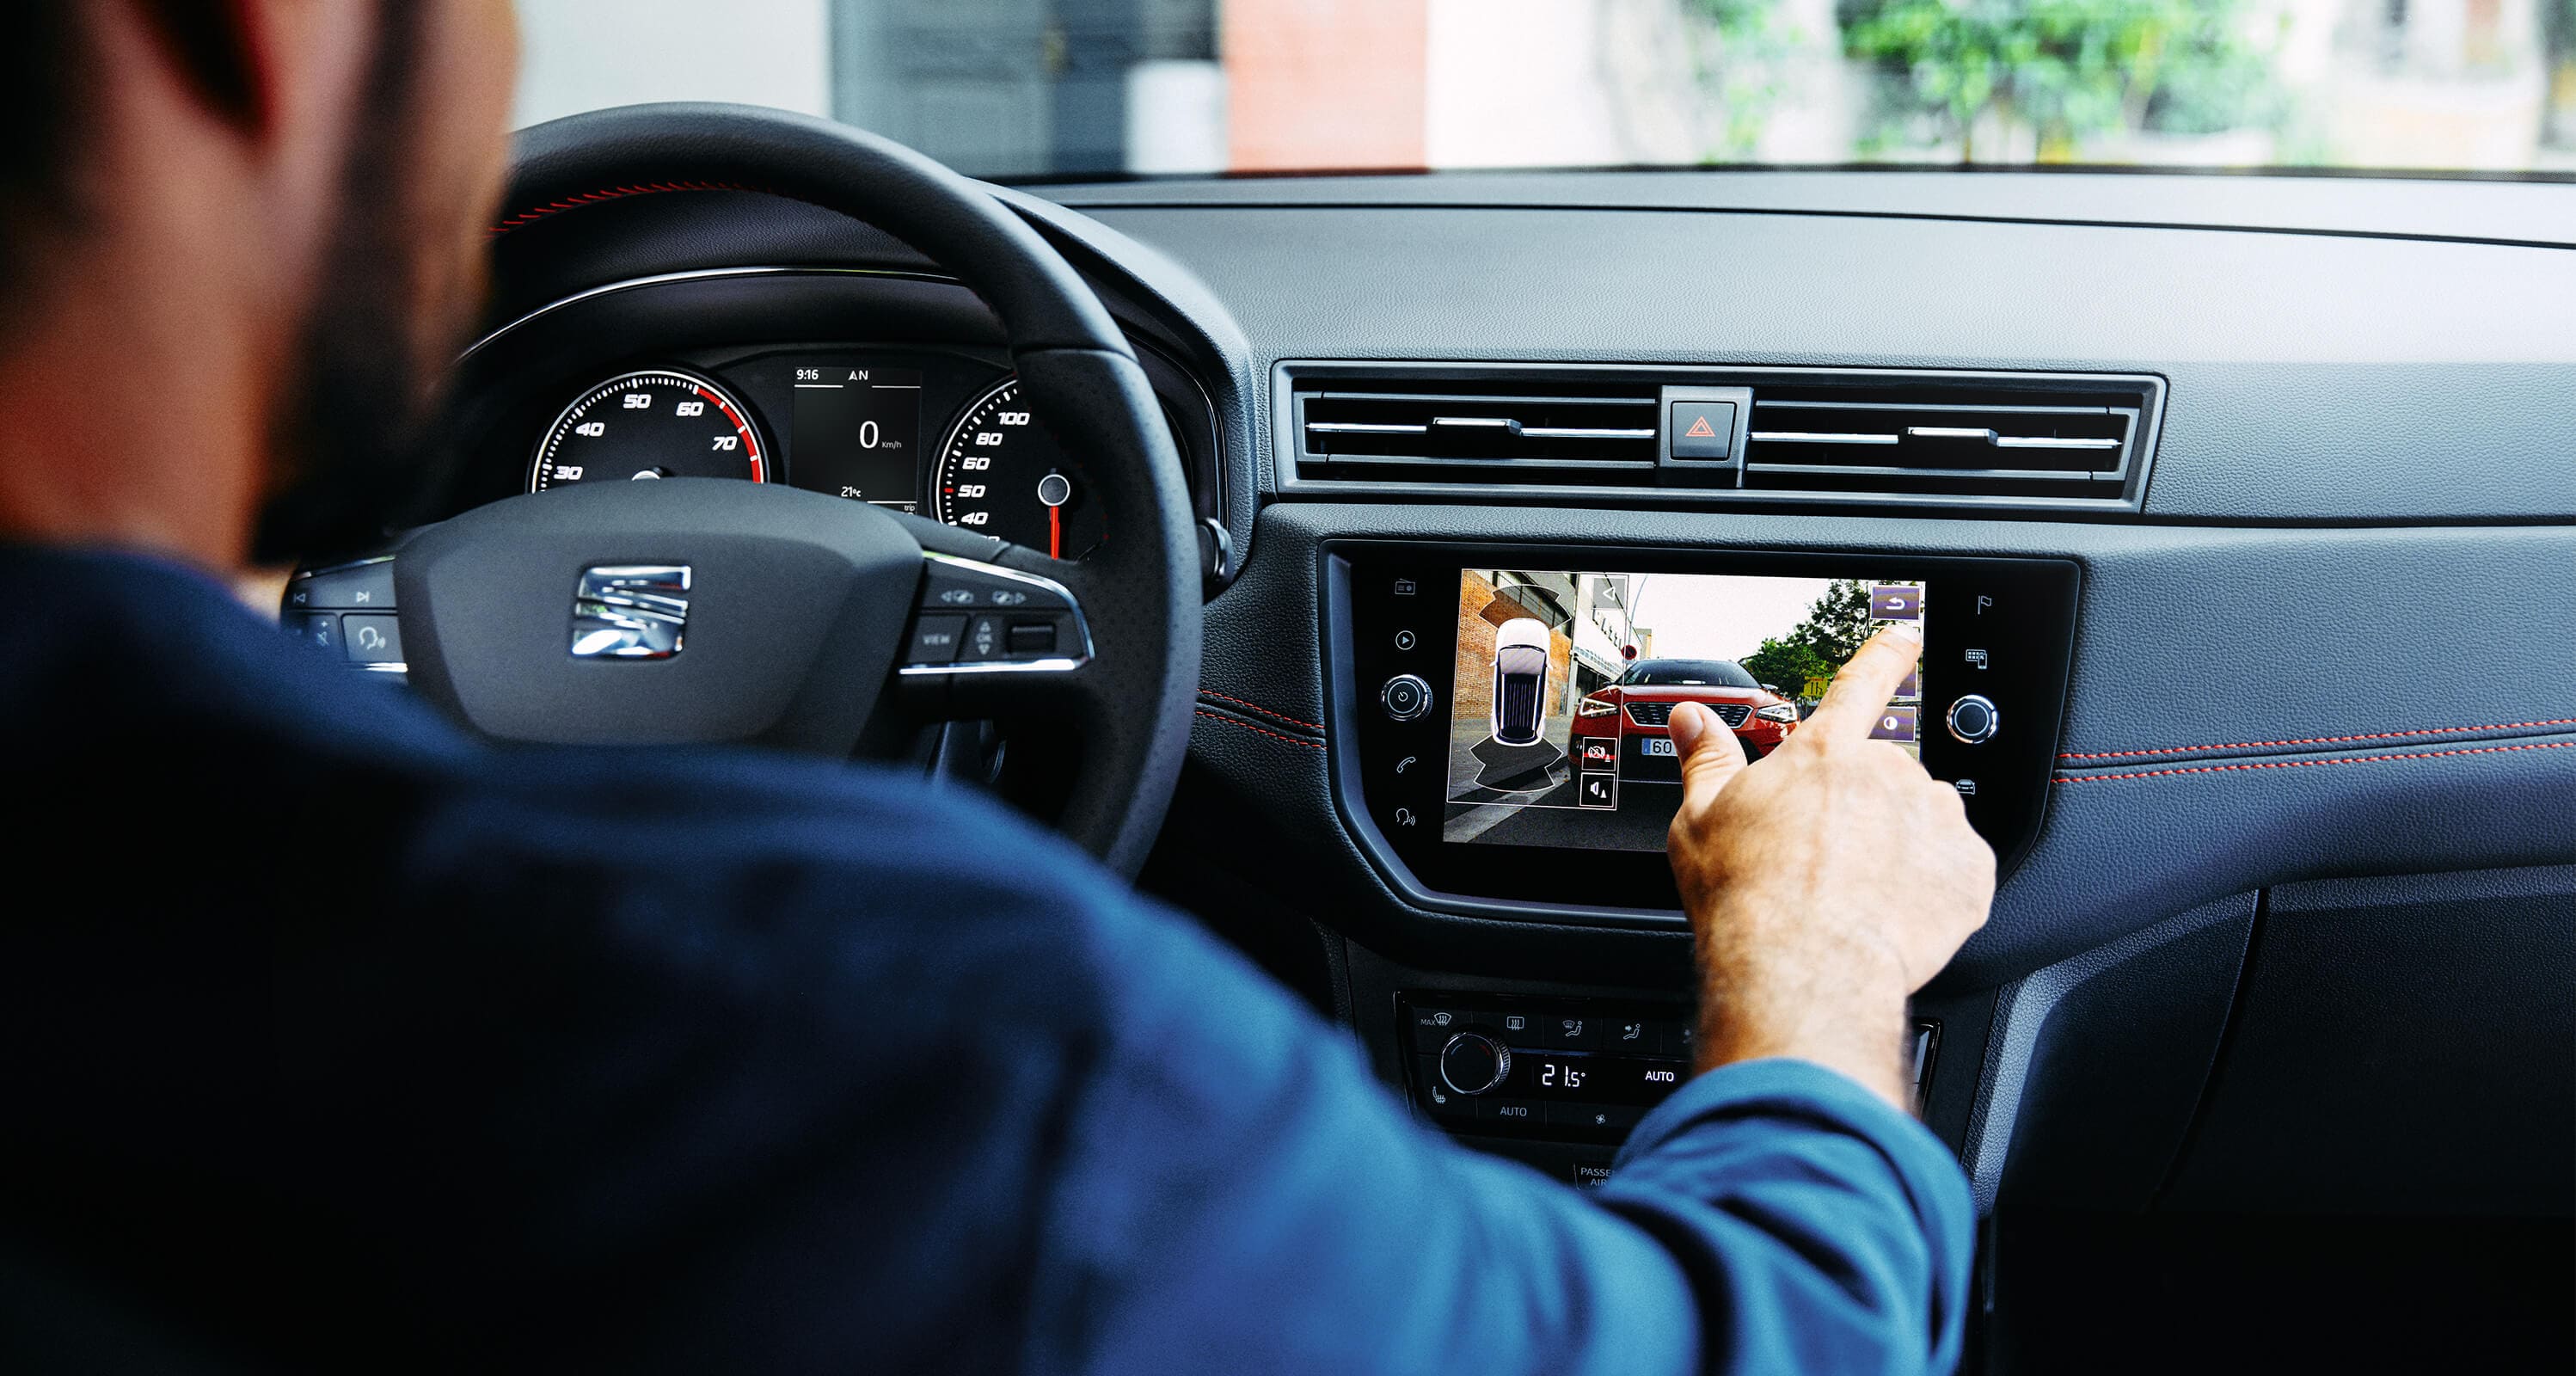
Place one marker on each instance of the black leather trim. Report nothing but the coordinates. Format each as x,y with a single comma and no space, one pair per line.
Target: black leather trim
954,221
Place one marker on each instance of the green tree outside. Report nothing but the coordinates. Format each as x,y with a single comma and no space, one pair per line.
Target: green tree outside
2068,70
1835,626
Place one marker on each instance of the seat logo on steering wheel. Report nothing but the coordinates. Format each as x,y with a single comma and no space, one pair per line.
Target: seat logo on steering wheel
630,611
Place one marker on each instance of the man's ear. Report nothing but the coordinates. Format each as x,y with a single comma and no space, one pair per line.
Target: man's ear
225,50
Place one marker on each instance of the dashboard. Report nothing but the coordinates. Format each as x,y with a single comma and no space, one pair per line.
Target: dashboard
2234,509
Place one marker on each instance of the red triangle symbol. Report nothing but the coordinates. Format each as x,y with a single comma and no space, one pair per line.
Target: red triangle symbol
1699,430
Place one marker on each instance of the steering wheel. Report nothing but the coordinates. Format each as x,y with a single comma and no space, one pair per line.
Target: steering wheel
713,610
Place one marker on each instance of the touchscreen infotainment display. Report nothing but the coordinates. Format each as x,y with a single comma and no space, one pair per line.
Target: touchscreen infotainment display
1566,682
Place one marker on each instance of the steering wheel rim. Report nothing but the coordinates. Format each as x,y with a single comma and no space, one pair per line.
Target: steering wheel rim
1130,700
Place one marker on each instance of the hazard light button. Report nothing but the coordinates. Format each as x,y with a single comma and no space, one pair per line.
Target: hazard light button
1703,429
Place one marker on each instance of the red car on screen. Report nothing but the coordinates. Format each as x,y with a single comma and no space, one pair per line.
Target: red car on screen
1629,722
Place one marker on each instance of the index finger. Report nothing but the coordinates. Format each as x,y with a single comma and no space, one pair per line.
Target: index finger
1860,690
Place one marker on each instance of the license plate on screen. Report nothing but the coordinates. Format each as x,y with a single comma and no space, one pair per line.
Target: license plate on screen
1661,745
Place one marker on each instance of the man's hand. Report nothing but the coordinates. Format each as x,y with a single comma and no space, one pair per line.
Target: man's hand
1826,883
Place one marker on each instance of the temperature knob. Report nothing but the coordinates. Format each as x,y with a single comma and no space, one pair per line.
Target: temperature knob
1473,1063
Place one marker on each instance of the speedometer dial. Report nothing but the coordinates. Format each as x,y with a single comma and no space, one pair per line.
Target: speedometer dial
1002,474
658,424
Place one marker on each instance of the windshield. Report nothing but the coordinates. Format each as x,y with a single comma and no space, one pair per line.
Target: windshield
1687,673
1064,89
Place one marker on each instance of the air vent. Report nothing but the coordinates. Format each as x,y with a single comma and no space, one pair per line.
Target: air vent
1456,431
1612,434
1970,439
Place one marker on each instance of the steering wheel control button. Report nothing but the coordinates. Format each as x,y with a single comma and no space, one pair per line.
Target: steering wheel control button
986,637
1031,638
1894,724
1703,429
1472,1063
1972,720
1405,697
956,586
935,639
978,618
373,639
365,587
320,632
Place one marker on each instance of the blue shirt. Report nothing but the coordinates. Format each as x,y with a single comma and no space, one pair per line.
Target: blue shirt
335,1038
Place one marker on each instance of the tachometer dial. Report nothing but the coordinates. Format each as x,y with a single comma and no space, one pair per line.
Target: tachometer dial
657,424
1001,473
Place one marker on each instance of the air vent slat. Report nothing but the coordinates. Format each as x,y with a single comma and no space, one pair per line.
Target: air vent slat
1547,434
1810,437
1596,434
1920,447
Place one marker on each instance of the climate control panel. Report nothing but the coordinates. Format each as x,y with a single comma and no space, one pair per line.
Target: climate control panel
1582,1071
1574,1070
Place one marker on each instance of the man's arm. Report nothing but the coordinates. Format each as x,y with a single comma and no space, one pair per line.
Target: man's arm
1240,1195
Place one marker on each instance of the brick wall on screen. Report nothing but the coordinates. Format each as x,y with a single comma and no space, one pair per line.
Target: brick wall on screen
1480,614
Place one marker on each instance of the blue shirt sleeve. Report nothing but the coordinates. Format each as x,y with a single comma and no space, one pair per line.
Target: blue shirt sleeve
1241,1195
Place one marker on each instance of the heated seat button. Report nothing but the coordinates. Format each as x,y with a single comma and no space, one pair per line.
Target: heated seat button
1571,1031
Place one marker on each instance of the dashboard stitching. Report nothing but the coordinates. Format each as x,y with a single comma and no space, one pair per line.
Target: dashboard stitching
535,213
2303,764
2319,740
1257,707
1275,735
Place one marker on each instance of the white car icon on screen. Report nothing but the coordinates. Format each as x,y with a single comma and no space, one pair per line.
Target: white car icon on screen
1520,680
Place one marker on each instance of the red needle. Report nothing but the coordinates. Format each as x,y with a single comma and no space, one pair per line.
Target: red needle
1055,532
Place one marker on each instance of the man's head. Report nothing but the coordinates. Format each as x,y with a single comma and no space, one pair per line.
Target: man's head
245,234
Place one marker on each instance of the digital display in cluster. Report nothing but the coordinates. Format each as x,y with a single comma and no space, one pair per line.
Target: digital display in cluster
858,433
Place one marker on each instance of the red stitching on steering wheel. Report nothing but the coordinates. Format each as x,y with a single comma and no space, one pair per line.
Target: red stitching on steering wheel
553,208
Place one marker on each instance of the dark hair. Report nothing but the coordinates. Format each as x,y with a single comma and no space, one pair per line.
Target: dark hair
43,66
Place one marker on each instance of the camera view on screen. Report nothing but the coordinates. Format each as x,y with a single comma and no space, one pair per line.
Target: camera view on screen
1560,726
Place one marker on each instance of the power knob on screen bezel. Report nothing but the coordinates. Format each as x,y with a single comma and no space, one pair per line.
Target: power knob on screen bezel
1421,697
1978,736
1502,1055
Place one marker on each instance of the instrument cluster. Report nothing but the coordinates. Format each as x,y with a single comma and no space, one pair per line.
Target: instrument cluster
942,433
